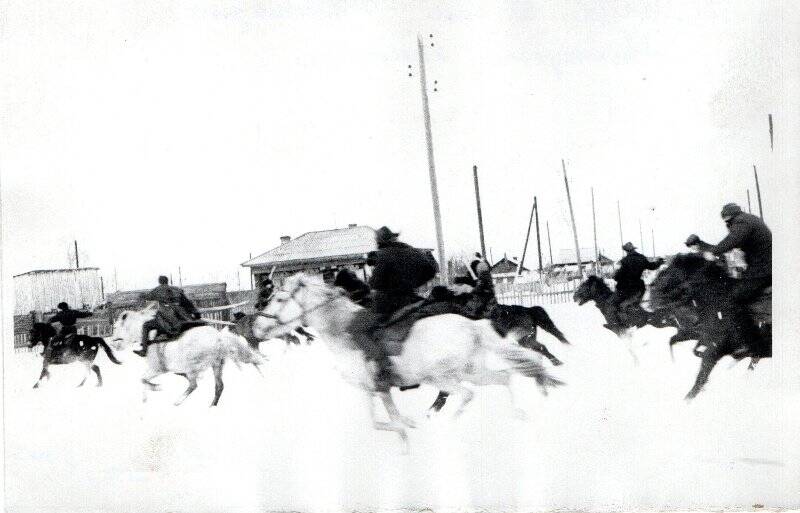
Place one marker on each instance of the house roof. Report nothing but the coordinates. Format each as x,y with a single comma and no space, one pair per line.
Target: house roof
319,246
505,265
42,271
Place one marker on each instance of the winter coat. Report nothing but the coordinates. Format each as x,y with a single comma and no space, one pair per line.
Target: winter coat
748,233
400,269
174,299
629,274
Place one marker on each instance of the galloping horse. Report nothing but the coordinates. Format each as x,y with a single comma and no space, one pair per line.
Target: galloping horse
720,328
189,355
449,352
81,348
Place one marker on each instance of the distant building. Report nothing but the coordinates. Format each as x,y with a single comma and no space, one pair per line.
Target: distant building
322,253
505,270
42,290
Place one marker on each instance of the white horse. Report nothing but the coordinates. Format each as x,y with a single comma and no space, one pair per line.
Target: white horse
449,352
189,355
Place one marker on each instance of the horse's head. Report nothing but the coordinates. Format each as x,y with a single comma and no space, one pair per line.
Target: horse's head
41,332
593,288
128,327
288,306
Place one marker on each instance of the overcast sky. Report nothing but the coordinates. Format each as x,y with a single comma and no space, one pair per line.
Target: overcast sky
191,134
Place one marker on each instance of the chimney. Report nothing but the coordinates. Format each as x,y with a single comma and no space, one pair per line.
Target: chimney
285,239
352,225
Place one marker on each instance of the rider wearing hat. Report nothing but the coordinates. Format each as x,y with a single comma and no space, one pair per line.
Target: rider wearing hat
749,234
174,309
399,270
630,286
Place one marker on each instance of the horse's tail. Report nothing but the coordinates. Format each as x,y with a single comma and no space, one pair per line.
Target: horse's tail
109,352
236,347
540,318
522,360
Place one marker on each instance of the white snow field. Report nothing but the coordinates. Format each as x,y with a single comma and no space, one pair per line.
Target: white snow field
618,436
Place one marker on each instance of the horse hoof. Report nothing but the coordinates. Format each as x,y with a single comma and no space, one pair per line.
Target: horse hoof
556,362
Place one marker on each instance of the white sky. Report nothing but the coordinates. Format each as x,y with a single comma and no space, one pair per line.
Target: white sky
192,134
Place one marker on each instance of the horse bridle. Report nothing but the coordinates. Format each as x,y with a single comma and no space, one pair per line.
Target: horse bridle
302,317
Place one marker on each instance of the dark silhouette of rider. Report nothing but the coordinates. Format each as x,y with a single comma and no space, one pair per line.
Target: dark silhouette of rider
399,270
68,318
630,286
174,309
749,234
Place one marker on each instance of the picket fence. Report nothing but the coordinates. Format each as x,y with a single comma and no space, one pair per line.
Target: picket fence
536,293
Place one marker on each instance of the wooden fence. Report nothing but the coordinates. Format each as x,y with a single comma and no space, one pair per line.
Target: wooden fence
536,293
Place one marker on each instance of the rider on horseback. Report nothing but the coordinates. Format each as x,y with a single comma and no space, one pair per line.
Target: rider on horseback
483,302
399,270
68,318
174,308
749,234
630,286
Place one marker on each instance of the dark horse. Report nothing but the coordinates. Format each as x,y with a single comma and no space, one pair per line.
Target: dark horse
243,325
595,289
722,329
80,348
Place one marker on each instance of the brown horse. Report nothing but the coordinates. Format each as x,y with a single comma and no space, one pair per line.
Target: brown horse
78,348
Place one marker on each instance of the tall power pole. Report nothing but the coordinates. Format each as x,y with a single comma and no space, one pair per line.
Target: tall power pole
527,237
480,214
572,218
549,245
538,238
77,262
758,194
594,230
437,217
749,208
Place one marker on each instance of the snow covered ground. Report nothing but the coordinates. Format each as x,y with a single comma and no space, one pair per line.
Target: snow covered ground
618,436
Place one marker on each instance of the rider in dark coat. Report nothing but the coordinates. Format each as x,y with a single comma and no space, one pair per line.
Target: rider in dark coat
483,301
630,286
749,234
399,270
265,290
174,309
68,318
357,290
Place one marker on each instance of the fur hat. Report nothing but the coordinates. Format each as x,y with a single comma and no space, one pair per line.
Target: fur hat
628,247
730,210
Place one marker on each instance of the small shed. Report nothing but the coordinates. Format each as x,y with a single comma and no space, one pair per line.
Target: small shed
42,290
505,270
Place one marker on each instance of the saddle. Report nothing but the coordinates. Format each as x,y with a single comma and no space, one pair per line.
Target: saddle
185,326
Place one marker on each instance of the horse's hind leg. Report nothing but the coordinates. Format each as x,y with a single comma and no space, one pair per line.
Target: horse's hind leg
531,343
541,319
710,359
191,388
394,420
469,394
45,374
218,384
439,403
86,374
96,370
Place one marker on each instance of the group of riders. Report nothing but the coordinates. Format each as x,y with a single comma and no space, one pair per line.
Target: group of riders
399,270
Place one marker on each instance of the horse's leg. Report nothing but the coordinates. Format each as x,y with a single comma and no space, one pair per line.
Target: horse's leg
439,403
218,384
530,342
541,319
88,365
753,362
394,413
192,386
45,373
469,394
395,420
709,360
96,370
147,384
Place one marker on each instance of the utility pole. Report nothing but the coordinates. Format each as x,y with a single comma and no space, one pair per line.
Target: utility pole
749,208
251,272
549,246
594,230
431,166
758,194
619,217
771,147
538,239
480,215
180,277
527,236
77,262
572,218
